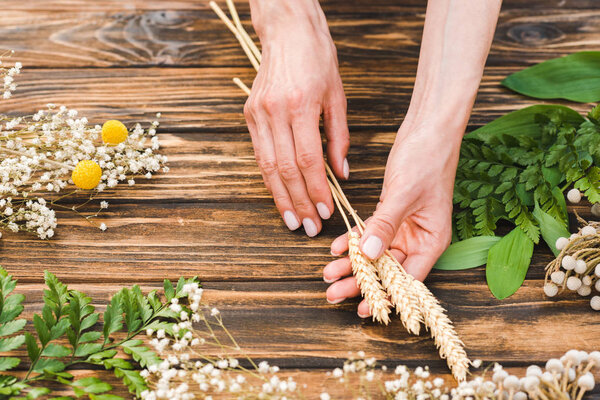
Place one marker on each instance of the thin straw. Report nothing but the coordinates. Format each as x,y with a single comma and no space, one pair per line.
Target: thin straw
240,28
241,85
235,31
339,206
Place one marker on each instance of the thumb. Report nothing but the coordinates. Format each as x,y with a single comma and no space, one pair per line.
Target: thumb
338,138
381,228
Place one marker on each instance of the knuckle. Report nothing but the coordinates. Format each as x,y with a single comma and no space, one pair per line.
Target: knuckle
294,99
271,102
268,166
307,160
303,205
288,170
385,226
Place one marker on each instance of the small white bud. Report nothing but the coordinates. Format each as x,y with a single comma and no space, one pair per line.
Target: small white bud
584,290
573,283
568,262
558,277
574,196
554,365
587,280
580,266
511,382
561,243
596,210
550,289
534,370
573,236
588,230
520,396
586,382
595,303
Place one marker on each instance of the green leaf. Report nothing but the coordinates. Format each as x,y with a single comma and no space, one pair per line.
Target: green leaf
89,321
132,379
169,290
523,122
85,349
551,228
59,329
56,296
101,355
106,396
37,392
56,350
143,355
32,348
575,77
113,320
49,364
8,363
508,262
92,385
468,253
90,336
42,329
11,343
10,312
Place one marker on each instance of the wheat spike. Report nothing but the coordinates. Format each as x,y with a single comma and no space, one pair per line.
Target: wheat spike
442,331
368,282
398,286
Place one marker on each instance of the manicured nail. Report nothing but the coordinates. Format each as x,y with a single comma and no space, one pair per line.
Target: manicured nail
309,227
291,221
372,247
346,168
330,280
335,254
336,301
323,210
363,316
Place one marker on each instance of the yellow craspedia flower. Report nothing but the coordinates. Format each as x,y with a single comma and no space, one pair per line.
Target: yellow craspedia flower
114,132
87,174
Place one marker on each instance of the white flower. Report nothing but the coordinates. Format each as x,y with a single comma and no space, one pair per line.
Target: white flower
103,226
104,204
325,396
214,312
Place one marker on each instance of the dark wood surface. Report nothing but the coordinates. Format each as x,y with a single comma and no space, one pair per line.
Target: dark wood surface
211,215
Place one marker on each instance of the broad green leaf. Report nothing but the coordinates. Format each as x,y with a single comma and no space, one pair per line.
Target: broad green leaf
92,385
523,122
7,363
41,329
113,320
131,309
468,253
11,343
56,350
90,336
575,77
560,198
49,364
37,392
141,354
85,349
169,290
32,348
551,228
59,329
89,321
56,296
112,363
508,262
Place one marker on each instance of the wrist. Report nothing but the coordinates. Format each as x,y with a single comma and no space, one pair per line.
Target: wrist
273,19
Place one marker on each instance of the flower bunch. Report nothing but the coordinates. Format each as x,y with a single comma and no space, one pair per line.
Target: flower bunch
577,266
43,154
190,369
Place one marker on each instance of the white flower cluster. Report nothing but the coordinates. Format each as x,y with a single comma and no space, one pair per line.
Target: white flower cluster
38,153
577,267
8,77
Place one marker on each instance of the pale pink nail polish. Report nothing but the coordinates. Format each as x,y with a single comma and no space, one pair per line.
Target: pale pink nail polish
291,221
363,316
309,227
330,280
346,168
372,247
323,210
336,301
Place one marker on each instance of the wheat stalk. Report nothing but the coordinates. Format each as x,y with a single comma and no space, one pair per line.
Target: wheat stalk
385,276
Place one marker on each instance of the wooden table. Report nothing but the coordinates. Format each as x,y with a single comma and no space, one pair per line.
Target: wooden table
211,215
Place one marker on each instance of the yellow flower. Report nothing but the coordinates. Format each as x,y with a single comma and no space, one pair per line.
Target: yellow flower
87,174
114,132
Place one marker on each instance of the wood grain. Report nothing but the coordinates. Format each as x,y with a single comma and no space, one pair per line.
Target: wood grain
211,215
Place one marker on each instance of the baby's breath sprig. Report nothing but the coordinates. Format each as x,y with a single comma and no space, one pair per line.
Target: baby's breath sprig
45,153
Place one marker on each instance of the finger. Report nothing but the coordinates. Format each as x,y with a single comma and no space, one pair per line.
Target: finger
419,265
337,269
364,310
264,151
340,245
341,290
398,255
336,130
292,177
382,227
309,155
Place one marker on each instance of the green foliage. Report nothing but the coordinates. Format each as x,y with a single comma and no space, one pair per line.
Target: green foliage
521,159
68,315
468,253
575,77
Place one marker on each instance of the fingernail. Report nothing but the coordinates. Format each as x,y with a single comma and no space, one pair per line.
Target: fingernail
336,301
323,210
291,221
329,280
335,254
309,227
363,316
372,247
346,168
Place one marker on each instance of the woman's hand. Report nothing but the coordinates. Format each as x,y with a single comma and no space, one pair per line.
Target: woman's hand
298,80
413,217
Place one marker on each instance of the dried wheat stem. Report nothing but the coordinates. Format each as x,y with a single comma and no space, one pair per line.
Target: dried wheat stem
236,32
368,282
242,85
398,286
240,28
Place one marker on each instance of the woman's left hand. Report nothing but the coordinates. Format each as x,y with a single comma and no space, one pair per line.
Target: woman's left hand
413,217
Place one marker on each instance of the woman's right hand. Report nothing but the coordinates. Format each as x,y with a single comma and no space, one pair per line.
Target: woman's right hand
298,80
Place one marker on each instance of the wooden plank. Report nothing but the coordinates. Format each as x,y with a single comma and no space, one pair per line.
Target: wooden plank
205,99
189,34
